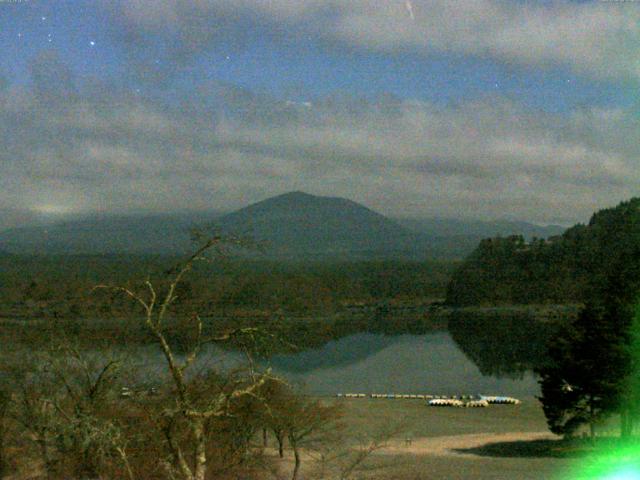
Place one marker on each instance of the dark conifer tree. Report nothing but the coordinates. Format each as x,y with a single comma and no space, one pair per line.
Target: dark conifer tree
584,380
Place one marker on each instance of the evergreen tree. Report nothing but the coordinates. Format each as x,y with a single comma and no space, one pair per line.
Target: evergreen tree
630,399
584,380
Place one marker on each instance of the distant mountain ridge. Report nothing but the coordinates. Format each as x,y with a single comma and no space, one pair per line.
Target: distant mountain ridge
101,234
451,227
294,225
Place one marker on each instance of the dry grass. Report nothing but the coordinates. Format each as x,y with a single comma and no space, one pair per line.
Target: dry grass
499,442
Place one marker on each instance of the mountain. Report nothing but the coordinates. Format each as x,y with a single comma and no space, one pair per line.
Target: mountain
300,225
128,234
17,217
297,224
294,225
478,229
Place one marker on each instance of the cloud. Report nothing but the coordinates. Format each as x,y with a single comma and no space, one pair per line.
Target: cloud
488,158
595,38
598,38
53,81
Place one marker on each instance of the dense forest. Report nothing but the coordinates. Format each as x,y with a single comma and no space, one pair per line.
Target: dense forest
562,269
61,285
304,304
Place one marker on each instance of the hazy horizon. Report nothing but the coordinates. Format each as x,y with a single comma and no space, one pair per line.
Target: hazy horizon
24,219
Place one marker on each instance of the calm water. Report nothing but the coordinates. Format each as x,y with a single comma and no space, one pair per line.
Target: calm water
367,363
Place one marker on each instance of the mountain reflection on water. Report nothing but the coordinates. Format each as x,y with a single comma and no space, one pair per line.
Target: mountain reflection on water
489,353
491,350
368,363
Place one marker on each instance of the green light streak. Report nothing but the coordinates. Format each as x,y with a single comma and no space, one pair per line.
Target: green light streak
616,458
626,474
621,463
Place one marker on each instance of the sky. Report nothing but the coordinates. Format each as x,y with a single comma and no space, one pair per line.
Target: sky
483,109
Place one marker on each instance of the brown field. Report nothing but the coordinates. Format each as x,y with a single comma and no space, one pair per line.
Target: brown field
499,442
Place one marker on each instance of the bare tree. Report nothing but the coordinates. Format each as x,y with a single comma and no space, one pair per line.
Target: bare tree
87,433
63,399
307,419
356,457
32,409
341,456
189,407
300,420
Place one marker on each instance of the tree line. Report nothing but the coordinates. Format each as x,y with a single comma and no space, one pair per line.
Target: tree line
592,362
561,270
58,286
593,370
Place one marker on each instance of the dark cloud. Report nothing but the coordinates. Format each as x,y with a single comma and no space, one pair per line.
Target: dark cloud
160,39
53,81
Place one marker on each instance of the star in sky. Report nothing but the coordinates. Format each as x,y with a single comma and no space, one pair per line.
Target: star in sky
92,43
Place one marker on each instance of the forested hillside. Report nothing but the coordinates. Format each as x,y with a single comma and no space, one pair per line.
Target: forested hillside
561,269
61,286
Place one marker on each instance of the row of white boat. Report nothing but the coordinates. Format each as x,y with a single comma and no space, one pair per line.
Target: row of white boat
441,400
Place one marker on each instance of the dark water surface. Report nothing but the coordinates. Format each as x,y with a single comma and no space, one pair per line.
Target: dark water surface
364,363
369,363
491,354
375,363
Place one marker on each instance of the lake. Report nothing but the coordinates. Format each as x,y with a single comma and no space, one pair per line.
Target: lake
491,355
367,363
430,363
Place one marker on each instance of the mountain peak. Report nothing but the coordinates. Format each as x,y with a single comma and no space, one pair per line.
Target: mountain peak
297,222
299,200
294,195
